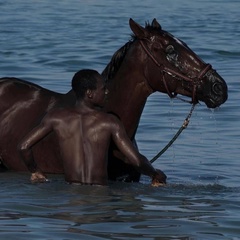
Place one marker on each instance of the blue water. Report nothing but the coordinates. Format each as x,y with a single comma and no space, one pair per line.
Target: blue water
46,42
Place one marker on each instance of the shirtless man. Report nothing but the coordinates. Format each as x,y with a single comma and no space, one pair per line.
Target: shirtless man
84,133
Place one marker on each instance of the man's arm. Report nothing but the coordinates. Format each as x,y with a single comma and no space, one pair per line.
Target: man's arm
25,146
133,157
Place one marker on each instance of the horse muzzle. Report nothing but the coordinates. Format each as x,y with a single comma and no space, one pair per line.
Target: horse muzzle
214,91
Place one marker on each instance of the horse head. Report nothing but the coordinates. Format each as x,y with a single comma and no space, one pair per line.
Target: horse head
173,68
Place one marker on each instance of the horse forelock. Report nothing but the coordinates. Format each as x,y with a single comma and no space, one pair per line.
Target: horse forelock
152,27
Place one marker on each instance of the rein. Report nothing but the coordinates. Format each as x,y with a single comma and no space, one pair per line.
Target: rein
175,74
184,125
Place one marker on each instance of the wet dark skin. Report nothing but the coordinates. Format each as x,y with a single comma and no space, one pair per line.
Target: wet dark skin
84,133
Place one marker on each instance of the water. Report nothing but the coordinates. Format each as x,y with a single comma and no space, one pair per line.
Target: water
47,42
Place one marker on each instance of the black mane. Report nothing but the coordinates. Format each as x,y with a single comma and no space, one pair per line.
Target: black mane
116,61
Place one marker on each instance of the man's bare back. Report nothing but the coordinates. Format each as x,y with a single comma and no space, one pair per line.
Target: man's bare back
84,152
84,133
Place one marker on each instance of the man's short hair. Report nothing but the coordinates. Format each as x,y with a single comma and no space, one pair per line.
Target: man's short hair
83,80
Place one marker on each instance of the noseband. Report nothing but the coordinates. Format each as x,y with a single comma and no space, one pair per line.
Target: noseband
175,74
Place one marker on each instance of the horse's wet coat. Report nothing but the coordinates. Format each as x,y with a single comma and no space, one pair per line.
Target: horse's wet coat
131,77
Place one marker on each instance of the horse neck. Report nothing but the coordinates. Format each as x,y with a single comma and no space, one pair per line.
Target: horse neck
128,92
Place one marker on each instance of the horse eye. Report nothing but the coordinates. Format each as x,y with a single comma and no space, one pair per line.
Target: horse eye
172,54
170,49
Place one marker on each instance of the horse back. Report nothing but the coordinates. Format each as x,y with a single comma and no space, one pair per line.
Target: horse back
24,102
22,106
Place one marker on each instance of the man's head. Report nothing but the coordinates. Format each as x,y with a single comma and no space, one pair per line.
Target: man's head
89,83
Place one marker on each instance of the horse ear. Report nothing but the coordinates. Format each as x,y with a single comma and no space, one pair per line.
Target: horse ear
138,30
155,24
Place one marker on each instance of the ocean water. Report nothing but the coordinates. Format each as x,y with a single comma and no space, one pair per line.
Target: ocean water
46,42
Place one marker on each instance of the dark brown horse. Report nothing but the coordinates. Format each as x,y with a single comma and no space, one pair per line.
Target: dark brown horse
152,61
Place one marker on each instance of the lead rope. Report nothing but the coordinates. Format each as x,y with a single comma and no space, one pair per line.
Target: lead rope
184,125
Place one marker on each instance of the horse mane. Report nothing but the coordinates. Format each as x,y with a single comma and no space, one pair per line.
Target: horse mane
117,59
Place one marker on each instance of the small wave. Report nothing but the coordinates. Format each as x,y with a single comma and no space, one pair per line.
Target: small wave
228,53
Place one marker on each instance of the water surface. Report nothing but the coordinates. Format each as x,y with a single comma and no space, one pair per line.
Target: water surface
47,42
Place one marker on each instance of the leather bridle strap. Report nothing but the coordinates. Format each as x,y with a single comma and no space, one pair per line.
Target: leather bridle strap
175,74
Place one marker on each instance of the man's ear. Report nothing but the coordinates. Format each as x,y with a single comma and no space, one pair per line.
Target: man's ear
89,93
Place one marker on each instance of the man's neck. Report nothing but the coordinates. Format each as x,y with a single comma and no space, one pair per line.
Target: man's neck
82,106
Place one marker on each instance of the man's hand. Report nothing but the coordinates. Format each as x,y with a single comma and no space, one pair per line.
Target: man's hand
159,179
38,177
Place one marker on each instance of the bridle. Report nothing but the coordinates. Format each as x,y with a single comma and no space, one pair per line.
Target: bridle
194,81
176,74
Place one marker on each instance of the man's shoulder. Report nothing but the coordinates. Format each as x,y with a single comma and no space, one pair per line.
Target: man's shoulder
109,119
60,114
107,116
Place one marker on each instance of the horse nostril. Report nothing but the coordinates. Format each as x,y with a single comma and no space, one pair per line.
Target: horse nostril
217,88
